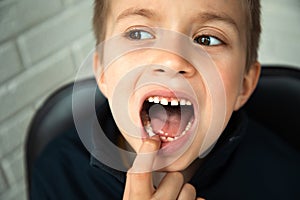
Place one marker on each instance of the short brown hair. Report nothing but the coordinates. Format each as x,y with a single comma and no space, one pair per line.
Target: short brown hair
254,30
101,11
253,7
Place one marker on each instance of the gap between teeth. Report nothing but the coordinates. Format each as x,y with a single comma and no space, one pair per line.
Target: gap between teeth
172,102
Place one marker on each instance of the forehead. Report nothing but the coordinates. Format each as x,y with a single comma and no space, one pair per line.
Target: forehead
230,10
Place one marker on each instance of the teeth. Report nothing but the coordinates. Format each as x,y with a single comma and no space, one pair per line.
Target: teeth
149,130
188,126
151,99
156,100
164,136
164,101
182,102
169,139
174,102
188,103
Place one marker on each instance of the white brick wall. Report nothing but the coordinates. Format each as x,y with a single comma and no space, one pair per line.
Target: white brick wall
54,34
17,16
281,32
10,61
42,44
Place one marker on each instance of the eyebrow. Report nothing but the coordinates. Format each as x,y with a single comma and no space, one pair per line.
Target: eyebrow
147,13
212,16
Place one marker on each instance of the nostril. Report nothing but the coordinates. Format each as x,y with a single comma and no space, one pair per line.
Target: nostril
182,72
160,70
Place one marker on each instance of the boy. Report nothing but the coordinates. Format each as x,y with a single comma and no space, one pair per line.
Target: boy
242,163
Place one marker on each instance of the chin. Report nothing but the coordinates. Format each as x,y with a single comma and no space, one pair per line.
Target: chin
178,165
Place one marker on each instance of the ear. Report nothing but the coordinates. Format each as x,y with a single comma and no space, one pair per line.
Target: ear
249,83
99,75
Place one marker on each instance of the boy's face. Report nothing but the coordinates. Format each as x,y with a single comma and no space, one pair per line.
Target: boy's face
218,27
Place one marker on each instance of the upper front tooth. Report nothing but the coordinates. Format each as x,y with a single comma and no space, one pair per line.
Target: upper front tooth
156,100
174,102
164,101
188,103
182,102
150,99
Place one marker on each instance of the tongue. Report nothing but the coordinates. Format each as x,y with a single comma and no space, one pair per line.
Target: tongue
171,120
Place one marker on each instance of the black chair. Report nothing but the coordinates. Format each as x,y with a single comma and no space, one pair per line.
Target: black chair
55,117
275,104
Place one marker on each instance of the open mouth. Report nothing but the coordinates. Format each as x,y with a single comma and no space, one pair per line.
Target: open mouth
169,118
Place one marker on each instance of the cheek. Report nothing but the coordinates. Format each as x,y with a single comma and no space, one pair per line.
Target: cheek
114,74
232,77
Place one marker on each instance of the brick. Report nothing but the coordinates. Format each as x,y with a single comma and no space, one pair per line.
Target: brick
56,33
82,48
15,192
10,61
280,33
20,194
16,16
13,166
13,131
70,2
3,183
35,82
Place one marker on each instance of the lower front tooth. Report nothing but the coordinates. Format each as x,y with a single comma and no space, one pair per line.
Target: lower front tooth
169,139
150,133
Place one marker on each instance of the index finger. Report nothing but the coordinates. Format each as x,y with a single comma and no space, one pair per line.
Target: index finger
139,184
146,155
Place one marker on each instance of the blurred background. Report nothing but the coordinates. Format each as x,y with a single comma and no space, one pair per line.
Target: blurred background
42,44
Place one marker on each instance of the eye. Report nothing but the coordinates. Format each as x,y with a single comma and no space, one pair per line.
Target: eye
138,34
207,40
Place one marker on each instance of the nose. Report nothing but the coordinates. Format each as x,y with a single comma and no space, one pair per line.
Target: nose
173,65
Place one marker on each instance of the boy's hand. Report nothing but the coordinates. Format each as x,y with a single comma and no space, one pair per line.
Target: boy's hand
139,183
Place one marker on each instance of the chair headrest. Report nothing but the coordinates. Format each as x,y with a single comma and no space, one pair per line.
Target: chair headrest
276,102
